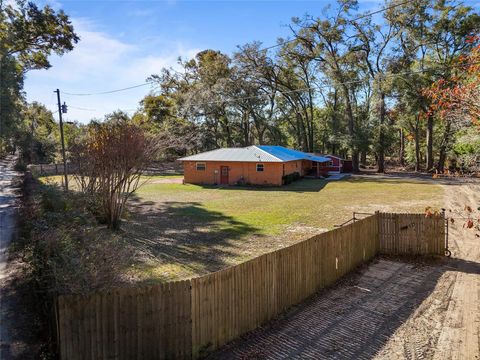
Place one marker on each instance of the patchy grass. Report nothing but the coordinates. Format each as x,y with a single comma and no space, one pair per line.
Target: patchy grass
180,231
184,230
147,179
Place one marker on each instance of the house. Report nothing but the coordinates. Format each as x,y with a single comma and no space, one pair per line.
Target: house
256,165
335,165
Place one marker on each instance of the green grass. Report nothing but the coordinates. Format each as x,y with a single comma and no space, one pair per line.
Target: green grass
184,230
180,231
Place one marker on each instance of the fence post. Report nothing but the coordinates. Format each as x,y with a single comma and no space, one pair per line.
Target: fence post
377,238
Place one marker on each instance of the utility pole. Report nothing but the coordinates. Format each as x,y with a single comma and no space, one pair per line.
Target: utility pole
62,109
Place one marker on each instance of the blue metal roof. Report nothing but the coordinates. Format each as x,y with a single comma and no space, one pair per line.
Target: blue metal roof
286,154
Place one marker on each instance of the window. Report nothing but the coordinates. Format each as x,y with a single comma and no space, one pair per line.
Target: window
201,166
260,167
330,163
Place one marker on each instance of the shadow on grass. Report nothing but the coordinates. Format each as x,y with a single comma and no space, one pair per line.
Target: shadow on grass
303,185
405,178
183,235
316,185
355,318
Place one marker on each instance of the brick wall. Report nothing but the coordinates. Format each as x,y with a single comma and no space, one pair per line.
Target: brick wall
272,174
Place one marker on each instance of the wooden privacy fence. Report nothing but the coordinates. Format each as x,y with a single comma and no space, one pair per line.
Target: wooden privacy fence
411,234
187,319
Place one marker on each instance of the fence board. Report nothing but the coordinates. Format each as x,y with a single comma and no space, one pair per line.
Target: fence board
411,234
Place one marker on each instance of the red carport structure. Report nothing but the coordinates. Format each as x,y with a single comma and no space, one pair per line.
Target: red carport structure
335,165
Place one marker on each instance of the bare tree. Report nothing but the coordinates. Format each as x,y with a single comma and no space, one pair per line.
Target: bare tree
111,160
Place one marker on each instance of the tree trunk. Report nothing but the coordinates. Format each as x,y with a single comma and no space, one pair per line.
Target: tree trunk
417,149
401,153
429,152
351,129
443,148
381,136
363,158
246,130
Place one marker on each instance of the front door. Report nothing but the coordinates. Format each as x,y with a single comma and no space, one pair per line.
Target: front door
223,174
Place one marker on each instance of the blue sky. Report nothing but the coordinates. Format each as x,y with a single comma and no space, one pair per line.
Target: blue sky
123,42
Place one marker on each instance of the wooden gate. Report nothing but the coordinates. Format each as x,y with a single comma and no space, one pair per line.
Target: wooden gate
411,234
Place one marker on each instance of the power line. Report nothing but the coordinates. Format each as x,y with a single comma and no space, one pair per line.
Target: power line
80,108
352,20
107,92
412,72
263,49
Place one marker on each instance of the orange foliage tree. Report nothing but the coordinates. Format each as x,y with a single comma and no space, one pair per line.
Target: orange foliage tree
458,96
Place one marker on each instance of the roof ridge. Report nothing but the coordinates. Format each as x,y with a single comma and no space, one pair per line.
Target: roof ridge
270,154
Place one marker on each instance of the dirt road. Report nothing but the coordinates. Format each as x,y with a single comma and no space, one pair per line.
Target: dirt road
389,310
7,228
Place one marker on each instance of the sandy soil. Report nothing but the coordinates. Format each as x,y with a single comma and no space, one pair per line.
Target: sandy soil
447,323
173,180
8,205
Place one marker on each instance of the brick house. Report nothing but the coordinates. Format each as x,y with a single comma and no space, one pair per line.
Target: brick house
256,165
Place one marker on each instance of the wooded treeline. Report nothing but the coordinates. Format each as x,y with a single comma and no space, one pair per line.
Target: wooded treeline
345,83
29,34
373,88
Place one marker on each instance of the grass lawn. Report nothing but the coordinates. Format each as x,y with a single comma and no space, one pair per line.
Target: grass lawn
184,230
58,179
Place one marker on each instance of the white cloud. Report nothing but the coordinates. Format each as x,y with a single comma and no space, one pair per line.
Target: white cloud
102,62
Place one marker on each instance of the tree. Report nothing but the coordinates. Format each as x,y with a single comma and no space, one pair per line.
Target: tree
31,34
110,161
330,46
28,36
374,44
434,34
38,134
457,97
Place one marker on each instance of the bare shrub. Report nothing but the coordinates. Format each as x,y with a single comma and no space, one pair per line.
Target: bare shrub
111,160
78,260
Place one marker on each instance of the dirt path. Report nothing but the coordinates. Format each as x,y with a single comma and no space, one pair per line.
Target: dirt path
460,337
7,228
390,310
448,321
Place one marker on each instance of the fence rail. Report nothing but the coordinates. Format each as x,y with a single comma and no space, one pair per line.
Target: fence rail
187,319
50,169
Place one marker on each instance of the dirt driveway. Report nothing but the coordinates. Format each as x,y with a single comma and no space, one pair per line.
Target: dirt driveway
7,228
389,310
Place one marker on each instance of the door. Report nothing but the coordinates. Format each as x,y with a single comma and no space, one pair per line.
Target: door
223,174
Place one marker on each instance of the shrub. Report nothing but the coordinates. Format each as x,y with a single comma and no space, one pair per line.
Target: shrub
66,250
75,259
20,166
289,178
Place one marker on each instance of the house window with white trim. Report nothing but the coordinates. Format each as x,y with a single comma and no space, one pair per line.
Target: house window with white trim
260,167
201,166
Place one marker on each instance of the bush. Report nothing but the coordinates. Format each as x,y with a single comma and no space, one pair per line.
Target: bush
66,249
73,259
20,166
289,178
